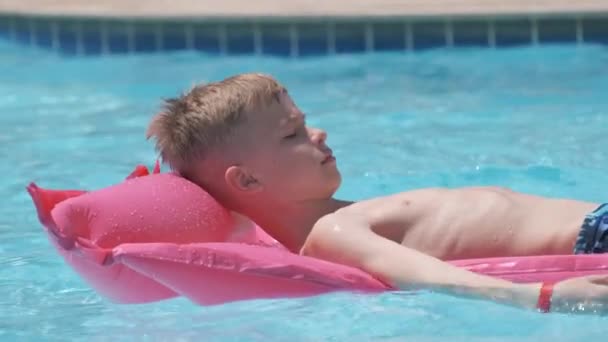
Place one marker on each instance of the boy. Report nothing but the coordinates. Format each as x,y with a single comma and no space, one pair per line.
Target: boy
246,143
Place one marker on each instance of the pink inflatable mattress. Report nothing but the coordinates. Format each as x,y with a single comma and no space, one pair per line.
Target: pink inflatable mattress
118,254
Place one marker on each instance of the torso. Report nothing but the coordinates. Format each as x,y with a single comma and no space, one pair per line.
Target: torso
475,222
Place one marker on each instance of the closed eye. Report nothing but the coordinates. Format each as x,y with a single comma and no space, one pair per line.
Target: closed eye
291,136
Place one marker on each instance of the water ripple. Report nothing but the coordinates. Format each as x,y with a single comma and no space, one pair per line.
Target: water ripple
532,119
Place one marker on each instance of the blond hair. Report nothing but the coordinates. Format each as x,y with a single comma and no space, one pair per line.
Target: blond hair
192,124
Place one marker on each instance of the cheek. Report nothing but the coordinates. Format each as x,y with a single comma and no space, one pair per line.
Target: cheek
289,170
303,163
290,163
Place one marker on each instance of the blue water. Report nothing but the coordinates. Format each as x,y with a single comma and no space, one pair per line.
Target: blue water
532,119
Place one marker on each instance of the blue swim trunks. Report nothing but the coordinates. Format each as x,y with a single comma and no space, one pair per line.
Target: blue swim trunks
593,237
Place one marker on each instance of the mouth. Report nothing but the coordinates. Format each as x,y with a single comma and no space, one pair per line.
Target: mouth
329,157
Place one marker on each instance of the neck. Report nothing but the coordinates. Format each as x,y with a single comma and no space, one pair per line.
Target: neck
291,223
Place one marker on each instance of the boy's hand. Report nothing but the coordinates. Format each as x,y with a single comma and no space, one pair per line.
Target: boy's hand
582,295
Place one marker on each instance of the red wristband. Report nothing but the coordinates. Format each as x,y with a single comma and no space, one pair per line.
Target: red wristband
544,298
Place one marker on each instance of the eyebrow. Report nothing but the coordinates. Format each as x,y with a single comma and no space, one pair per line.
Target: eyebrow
301,116
295,119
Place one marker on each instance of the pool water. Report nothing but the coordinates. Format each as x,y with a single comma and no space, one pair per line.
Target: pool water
533,119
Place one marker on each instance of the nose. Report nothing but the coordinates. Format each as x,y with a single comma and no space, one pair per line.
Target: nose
318,136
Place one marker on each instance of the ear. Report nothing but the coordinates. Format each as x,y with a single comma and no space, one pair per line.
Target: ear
240,179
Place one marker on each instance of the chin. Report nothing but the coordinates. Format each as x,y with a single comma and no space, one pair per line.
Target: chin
334,184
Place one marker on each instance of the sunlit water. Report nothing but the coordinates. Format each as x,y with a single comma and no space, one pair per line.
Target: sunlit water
533,119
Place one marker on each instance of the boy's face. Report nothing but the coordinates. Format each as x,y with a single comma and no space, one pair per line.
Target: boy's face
288,160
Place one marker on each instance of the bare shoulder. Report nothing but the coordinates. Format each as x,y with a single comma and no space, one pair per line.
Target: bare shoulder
327,232
340,237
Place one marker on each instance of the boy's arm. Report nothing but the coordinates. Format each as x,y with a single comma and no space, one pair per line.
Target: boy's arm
347,240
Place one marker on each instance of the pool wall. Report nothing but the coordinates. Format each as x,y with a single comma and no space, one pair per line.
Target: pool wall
297,36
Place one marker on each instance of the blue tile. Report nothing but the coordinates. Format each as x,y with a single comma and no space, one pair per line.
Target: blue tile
206,39
43,34
240,46
174,39
117,39
596,30
91,37
557,31
276,40
67,38
346,45
240,39
471,41
22,31
389,36
473,33
513,33
4,28
312,39
350,38
312,46
91,43
145,38
428,35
